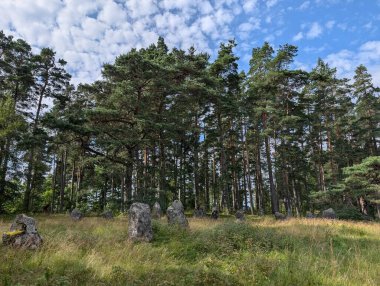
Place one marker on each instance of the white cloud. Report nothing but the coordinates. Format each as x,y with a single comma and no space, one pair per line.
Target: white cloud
367,54
245,29
112,14
249,5
304,5
88,33
271,3
330,24
315,31
298,36
205,7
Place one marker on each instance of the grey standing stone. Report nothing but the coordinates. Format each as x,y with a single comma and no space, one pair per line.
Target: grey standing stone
107,215
240,216
309,215
177,204
140,223
329,213
76,214
176,215
156,211
214,212
279,216
199,212
23,233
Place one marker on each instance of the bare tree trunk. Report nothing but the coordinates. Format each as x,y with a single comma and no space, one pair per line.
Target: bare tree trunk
103,194
78,185
197,191
72,185
296,198
225,203
259,180
273,193
4,165
63,180
363,205
54,184
123,194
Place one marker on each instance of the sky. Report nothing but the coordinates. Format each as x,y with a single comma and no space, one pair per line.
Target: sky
89,33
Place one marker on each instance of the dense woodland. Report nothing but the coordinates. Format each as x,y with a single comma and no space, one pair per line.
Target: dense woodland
164,124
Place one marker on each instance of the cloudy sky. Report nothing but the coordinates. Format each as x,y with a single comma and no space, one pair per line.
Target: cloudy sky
88,33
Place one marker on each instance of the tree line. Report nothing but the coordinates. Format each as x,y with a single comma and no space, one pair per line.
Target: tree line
164,124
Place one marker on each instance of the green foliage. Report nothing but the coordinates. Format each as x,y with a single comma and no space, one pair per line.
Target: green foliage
350,213
364,179
10,121
164,124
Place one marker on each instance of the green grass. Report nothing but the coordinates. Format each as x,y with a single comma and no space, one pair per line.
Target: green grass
261,251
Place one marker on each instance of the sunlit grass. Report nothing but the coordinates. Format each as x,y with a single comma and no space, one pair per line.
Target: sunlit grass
260,251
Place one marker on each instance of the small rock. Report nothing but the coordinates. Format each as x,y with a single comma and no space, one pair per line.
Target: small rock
199,212
214,212
76,214
23,233
329,214
240,216
176,216
279,216
156,211
140,223
309,215
107,215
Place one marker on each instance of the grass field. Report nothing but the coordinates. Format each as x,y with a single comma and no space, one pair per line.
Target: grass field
260,251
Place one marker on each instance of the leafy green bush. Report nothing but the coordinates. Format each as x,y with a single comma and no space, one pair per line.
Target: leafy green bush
351,213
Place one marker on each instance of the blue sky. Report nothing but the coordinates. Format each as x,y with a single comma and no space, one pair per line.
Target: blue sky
88,33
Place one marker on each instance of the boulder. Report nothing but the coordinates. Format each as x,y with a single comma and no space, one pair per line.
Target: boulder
23,233
107,215
279,216
199,212
309,215
240,216
140,223
76,214
156,211
177,204
329,214
214,212
176,215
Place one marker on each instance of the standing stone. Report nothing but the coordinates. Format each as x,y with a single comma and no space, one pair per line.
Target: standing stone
240,216
279,216
329,213
199,212
23,233
156,211
107,215
176,216
309,215
140,223
76,214
214,212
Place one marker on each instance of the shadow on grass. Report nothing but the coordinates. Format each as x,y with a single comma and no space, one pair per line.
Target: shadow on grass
224,239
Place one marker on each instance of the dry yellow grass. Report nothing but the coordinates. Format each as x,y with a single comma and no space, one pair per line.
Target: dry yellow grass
260,251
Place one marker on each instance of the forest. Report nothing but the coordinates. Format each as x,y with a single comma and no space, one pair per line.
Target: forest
166,124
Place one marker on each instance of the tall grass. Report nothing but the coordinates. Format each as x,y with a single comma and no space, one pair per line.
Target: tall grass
260,251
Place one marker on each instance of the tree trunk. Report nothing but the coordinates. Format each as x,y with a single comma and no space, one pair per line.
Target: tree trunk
72,186
63,180
4,165
259,179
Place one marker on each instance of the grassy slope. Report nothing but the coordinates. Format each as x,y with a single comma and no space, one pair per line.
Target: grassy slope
258,252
